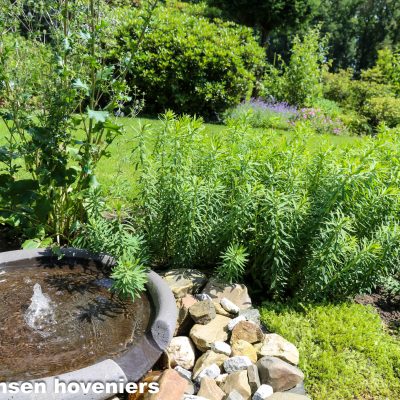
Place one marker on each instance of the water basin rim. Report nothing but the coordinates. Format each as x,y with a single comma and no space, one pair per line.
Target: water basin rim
130,366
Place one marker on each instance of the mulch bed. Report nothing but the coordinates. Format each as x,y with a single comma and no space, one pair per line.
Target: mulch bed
388,308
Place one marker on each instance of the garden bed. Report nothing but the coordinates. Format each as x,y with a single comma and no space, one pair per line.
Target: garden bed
388,307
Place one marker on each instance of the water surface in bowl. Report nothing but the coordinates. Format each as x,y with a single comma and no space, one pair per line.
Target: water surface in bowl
59,318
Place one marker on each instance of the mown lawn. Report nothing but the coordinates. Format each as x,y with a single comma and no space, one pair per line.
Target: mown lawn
117,172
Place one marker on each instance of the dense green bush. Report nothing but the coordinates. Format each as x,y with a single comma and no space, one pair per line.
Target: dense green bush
383,110
189,64
316,223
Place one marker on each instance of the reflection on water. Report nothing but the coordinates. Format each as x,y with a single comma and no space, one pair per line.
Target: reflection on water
62,318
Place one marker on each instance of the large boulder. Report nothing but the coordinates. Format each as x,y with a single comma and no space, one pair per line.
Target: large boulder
202,312
278,373
172,386
237,294
182,352
238,381
248,331
243,348
210,390
184,281
215,331
253,377
276,346
184,321
238,363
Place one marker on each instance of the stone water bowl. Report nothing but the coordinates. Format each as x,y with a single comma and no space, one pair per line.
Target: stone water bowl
59,321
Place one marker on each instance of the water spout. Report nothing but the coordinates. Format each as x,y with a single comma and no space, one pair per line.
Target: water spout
40,314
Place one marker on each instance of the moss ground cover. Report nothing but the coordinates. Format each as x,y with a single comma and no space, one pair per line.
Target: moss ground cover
346,354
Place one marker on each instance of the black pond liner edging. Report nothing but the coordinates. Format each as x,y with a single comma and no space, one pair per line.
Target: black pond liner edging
130,366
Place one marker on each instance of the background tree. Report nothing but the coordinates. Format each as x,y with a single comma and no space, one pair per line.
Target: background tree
268,15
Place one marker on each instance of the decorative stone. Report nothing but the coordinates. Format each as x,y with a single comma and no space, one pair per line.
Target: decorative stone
235,364
202,297
221,379
237,294
234,395
287,396
210,390
251,314
181,351
298,389
276,346
278,373
207,359
243,348
190,389
183,372
212,371
220,310
228,306
215,331
253,377
184,321
263,392
235,321
247,331
172,386
221,347
184,281
202,312
238,381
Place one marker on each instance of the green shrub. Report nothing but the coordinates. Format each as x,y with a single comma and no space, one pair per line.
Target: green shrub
383,110
316,223
300,81
386,71
189,64
337,86
345,352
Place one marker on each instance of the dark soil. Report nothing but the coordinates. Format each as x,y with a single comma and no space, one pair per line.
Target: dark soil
388,308
9,240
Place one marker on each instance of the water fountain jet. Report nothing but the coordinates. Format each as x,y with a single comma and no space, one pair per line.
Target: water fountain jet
73,328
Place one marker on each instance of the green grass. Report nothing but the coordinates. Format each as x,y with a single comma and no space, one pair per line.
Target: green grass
345,352
116,173
113,172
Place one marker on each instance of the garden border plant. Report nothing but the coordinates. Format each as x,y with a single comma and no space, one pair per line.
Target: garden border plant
61,120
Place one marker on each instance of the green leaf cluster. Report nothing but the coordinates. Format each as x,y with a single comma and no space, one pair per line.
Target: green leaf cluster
296,221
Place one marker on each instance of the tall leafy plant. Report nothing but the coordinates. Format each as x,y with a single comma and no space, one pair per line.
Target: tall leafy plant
60,121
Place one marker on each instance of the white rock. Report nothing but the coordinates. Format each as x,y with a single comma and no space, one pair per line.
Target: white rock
202,297
263,392
221,347
184,372
235,321
237,363
193,397
182,352
212,371
229,306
